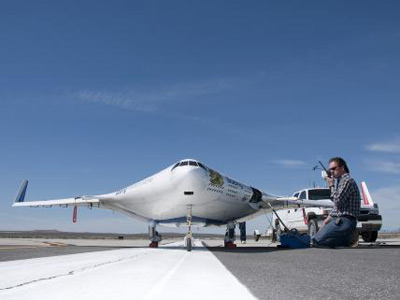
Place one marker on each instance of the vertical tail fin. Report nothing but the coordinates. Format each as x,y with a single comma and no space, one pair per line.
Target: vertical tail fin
366,195
22,191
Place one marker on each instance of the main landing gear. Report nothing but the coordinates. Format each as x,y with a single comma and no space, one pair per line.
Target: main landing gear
155,237
230,236
242,229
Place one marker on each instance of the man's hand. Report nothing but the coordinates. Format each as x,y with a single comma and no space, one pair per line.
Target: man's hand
330,181
326,221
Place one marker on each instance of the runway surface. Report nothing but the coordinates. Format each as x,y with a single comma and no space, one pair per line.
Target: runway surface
169,272
130,270
347,273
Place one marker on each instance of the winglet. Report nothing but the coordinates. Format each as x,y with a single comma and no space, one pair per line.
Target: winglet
366,196
22,191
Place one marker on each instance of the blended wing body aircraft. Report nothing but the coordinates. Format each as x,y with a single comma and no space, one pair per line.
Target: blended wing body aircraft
184,194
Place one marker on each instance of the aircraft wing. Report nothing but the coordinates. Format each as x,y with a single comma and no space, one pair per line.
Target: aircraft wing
293,201
267,202
99,201
76,201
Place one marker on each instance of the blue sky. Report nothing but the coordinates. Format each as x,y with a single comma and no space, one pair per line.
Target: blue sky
95,95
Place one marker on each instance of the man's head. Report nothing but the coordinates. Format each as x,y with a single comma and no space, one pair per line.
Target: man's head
338,167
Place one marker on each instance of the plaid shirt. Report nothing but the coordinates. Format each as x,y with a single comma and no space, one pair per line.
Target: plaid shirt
346,197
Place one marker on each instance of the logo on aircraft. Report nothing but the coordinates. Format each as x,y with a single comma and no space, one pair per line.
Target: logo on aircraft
216,178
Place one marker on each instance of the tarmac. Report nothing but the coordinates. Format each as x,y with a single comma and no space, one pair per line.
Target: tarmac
255,270
370,271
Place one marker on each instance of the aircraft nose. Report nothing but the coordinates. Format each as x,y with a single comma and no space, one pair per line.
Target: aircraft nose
190,179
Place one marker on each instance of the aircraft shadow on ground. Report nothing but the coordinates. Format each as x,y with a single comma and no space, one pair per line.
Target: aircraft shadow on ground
251,249
274,249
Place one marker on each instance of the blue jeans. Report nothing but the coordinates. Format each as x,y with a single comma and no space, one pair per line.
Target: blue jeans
335,234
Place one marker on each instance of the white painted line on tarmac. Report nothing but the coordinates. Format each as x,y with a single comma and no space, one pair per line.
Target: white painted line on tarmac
169,272
157,289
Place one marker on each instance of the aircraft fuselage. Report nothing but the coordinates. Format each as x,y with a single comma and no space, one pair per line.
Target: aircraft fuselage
164,197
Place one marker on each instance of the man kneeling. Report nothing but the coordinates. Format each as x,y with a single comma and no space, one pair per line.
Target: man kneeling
338,228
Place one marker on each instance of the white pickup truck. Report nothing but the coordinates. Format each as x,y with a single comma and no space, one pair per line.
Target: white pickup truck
309,219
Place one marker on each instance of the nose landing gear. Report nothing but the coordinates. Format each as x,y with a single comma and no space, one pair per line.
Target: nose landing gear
188,241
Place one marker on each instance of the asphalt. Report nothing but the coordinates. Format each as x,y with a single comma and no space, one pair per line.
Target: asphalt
20,248
17,253
367,272
370,271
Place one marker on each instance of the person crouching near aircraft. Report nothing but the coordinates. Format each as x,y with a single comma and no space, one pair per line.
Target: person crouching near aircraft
339,227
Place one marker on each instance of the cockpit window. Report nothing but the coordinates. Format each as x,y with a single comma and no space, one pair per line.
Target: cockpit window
189,163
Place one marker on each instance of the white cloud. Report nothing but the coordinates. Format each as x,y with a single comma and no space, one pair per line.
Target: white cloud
128,101
388,147
390,167
388,199
149,101
290,163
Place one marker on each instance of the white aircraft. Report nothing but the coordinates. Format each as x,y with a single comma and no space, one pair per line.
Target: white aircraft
186,193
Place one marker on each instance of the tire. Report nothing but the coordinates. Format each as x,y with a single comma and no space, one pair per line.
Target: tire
369,236
189,244
312,227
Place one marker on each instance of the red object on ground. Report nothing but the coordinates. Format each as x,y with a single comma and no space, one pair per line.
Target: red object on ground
153,245
230,245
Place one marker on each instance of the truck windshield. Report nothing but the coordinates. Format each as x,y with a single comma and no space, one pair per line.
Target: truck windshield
319,194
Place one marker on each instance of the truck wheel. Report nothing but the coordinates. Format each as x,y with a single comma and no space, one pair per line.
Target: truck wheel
369,236
312,227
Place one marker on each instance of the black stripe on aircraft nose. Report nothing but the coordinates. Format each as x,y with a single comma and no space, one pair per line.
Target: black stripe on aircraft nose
188,193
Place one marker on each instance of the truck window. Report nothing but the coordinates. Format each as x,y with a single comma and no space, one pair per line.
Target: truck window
303,195
296,195
319,194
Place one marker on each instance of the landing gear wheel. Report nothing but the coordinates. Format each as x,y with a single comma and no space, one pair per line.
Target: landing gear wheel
189,244
230,245
312,227
188,238
369,236
154,236
153,245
